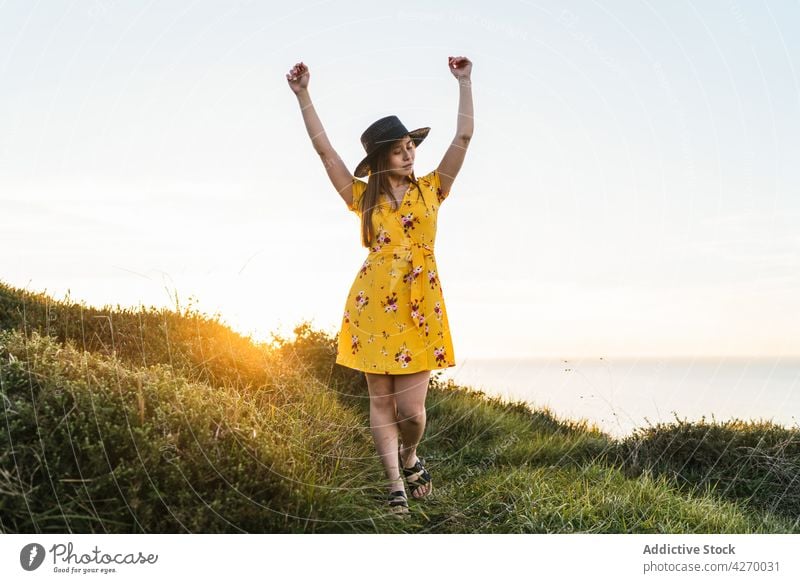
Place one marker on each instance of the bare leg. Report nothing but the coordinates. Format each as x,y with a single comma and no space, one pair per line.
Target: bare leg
383,424
410,391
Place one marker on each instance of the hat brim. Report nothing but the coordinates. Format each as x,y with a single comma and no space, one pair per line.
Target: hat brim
417,135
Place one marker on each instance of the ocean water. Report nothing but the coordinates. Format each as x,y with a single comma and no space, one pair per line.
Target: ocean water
620,394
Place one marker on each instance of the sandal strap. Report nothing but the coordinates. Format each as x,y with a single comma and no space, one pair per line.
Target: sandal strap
416,476
398,498
421,477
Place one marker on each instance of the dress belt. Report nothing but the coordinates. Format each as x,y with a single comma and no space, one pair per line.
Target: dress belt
419,251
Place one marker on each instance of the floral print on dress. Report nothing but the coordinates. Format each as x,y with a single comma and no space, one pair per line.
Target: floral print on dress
403,356
365,268
432,280
362,299
355,343
415,312
383,337
412,275
381,238
438,311
390,305
408,221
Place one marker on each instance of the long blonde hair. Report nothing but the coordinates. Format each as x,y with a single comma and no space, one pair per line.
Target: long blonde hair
378,182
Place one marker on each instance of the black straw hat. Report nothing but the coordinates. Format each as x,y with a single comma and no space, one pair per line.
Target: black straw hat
382,132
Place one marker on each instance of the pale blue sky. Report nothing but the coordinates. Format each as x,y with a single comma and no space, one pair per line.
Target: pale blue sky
631,187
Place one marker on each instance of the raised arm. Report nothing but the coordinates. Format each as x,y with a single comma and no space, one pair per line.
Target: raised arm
338,173
461,68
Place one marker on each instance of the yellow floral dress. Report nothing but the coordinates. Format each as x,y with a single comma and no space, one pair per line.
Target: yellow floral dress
394,319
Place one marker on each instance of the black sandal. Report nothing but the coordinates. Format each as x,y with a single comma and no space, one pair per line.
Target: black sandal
398,502
416,477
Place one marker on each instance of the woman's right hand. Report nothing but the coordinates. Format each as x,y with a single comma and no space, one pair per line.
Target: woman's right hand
298,77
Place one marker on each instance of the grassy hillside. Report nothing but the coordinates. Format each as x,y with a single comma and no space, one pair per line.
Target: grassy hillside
168,421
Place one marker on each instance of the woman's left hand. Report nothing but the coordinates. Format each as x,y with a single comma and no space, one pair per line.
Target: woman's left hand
460,67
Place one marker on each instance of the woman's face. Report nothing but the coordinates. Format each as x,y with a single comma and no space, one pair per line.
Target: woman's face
401,157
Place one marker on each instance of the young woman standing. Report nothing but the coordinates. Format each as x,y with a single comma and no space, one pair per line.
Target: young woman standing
394,327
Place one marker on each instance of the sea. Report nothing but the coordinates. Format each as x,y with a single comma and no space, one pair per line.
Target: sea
621,394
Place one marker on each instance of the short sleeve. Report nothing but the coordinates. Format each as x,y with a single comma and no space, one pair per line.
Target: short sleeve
436,185
359,186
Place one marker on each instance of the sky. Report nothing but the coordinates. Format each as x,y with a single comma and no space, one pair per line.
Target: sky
629,189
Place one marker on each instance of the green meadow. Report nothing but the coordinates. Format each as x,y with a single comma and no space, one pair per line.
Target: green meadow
166,420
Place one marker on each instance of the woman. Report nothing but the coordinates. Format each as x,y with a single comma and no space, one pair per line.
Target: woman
395,326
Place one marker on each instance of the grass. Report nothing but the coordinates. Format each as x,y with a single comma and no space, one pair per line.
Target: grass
167,421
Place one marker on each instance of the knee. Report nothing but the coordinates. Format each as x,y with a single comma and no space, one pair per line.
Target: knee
383,404
414,415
